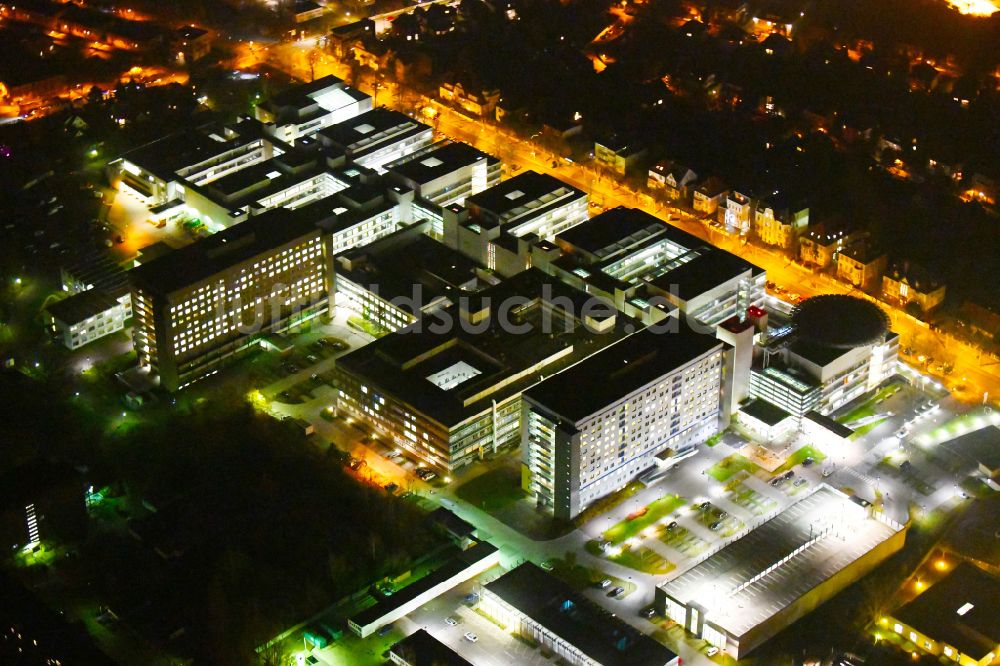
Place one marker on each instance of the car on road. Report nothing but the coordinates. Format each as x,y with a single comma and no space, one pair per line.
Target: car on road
712,651
808,462
648,612
450,621
716,525
384,630
787,475
471,637
604,584
671,525
776,480
616,591
547,566
827,472
902,432
704,506
471,598
799,482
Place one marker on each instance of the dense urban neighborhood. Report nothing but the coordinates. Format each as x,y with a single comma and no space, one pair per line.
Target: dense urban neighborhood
491,332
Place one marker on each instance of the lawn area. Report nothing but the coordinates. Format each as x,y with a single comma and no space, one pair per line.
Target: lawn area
608,502
655,511
800,455
867,408
867,428
368,327
492,490
645,560
723,470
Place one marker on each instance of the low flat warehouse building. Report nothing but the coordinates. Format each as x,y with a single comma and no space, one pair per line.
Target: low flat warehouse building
464,565
540,607
776,573
955,618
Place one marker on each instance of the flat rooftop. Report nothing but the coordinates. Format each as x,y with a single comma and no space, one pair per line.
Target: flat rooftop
168,154
421,649
371,131
395,265
508,356
202,259
708,269
981,447
580,622
764,411
960,610
620,369
613,232
437,160
732,585
528,189
455,565
82,306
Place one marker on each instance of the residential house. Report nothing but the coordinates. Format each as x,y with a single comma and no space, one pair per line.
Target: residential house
737,214
479,100
706,197
861,264
780,222
619,155
906,282
672,179
821,245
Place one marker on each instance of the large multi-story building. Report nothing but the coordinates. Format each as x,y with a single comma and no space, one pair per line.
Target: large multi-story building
197,307
655,393
377,137
394,281
159,171
638,261
776,572
448,387
499,227
446,172
837,349
305,109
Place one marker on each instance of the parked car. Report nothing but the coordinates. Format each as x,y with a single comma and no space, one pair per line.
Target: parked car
547,566
799,482
671,525
712,651
704,506
716,525
616,591
808,462
827,472
384,630
450,621
648,612
471,598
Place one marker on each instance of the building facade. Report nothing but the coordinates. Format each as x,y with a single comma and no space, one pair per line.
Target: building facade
199,306
653,401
